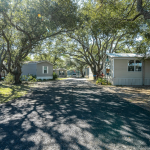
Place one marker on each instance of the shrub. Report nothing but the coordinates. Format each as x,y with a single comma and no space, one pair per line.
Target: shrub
9,79
54,75
102,81
39,80
33,80
29,77
23,78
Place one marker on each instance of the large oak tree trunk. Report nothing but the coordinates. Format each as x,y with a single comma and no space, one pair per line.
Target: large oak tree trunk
82,72
0,71
17,75
0,67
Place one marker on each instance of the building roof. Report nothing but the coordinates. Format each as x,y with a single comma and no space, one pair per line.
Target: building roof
60,69
116,55
36,62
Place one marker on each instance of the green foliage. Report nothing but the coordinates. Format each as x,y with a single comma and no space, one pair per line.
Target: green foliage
102,81
27,58
39,80
54,75
23,78
24,24
9,79
31,78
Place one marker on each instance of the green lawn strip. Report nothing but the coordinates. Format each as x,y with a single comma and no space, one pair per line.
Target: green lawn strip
10,92
61,78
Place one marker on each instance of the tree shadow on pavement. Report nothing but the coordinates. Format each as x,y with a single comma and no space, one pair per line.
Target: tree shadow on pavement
68,117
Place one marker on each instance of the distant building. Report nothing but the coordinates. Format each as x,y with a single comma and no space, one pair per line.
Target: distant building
42,69
60,72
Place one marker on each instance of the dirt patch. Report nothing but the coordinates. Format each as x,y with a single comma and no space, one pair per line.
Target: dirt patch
139,95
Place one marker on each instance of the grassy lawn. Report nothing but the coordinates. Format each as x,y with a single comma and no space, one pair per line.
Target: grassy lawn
10,92
61,78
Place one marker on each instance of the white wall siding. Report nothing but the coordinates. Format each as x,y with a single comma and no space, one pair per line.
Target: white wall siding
147,81
121,69
29,69
127,81
44,77
40,69
147,69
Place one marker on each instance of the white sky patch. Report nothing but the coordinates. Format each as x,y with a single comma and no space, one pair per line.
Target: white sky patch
139,39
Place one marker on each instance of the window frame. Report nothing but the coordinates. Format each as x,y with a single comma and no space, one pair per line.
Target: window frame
134,65
46,69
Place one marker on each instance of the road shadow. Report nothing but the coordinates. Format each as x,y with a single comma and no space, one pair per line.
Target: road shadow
73,115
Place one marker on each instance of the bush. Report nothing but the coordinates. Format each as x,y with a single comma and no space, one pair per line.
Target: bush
39,80
23,78
9,79
102,81
54,75
31,78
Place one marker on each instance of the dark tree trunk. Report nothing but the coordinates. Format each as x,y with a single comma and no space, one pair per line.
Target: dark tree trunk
0,71
141,10
0,66
81,70
17,75
17,78
96,71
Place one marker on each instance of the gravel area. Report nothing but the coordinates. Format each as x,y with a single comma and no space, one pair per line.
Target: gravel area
139,95
73,114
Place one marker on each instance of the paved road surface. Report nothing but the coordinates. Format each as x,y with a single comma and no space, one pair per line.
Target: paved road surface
73,115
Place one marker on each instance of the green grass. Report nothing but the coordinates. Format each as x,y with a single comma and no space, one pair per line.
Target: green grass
61,78
10,92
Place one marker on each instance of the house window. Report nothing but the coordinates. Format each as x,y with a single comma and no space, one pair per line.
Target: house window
134,65
45,69
61,72
131,65
138,65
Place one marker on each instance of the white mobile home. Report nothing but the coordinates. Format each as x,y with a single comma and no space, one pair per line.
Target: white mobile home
60,72
42,69
127,69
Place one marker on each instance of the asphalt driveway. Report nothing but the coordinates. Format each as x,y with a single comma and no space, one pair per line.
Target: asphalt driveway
73,114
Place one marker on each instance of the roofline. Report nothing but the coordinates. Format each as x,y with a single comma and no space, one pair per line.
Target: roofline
36,62
125,56
59,69
44,61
